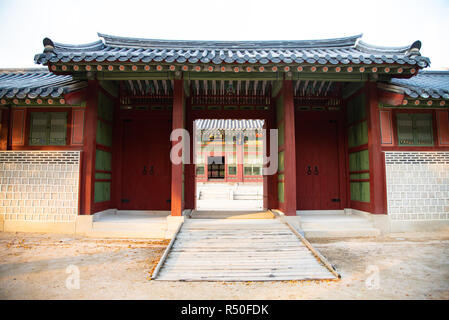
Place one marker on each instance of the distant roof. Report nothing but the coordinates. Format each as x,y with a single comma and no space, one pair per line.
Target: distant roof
228,124
325,51
33,83
427,84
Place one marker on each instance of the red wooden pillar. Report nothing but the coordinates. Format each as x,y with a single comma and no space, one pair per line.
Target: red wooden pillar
240,157
189,169
4,128
88,155
289,149
177,179
376,157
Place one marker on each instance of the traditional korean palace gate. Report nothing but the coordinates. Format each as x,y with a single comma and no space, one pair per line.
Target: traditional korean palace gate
332,101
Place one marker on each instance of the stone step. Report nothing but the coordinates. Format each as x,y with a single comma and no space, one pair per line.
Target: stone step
140,230
341,233
128,234
326,225
129,225
214,197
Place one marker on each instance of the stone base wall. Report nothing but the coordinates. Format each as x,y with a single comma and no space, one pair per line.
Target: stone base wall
418,187
39,186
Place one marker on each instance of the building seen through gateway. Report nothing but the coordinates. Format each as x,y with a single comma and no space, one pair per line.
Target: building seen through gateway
229,163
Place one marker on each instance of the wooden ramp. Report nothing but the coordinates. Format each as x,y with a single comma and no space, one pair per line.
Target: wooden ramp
239,250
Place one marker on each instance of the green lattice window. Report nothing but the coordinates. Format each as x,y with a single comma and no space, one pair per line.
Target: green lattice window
281,191
232,166
356,117
358,134
232,170
414,129
200,169
103,160
359,176
252,164
252,169
360,191
102,191
48,128
105,107
356,109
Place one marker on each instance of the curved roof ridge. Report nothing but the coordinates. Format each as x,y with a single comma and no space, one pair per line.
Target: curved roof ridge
118,41
96,45
335,51
369,48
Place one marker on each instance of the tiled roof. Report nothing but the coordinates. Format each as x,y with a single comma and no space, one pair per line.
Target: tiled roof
228,124
328,51
427,84
33,83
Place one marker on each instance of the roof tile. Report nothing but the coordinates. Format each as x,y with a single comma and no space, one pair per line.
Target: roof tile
36,83
426,84
339,50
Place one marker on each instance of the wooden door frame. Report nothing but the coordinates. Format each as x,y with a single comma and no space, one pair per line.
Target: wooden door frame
269,123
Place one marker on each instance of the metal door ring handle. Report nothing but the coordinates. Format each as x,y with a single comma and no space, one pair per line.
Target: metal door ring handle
309,171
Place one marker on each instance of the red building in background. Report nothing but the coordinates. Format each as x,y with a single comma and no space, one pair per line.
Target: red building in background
229,150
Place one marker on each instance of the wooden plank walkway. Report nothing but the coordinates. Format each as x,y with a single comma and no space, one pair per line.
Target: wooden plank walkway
239,250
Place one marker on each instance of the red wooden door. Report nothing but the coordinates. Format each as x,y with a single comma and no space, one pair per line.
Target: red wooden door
317,162
146,166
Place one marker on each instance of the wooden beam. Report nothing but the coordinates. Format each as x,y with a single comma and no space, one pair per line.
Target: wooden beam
76,97
344,77
390,98
135,76
232,76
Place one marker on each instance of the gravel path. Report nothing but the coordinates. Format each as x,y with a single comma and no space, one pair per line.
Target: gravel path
36,266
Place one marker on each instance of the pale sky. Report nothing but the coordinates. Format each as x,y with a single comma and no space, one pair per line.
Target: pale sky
24,23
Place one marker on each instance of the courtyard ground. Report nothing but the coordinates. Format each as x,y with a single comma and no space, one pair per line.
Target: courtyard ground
38,266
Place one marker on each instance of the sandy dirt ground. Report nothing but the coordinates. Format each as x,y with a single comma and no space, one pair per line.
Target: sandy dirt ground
37,266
